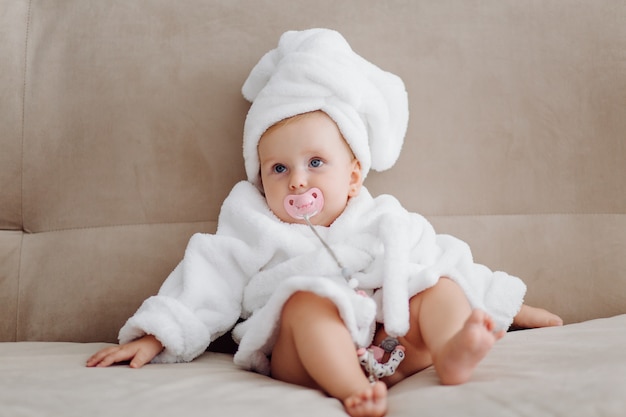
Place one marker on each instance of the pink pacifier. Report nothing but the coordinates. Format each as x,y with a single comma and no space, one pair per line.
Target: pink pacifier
304,205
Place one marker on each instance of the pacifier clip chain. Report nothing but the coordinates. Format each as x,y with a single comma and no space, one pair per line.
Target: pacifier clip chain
372,357
345,272
306,205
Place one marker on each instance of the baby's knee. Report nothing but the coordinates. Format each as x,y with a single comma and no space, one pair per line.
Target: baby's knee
305,303
445,286
444,290
447,283
301,299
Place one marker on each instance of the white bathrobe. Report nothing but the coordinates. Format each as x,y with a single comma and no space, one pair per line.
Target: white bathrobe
255,262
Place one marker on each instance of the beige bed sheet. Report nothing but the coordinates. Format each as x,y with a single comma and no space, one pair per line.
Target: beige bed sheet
576,370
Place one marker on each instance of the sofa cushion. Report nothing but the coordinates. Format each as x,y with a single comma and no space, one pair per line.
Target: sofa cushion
575,371
121,127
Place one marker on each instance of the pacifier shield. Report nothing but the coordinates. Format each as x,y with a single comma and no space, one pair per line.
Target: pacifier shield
307,204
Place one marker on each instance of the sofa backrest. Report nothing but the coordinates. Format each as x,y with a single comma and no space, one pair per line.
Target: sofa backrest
121,126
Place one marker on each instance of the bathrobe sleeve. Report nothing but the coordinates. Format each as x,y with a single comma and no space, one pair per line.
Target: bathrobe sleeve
416,257
201,299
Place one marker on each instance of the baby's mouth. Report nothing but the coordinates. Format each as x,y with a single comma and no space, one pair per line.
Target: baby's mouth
307,204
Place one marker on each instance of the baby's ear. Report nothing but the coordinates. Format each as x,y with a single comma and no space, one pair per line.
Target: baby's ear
259,185
356,178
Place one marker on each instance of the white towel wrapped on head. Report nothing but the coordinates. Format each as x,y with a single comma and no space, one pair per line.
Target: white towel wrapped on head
314,70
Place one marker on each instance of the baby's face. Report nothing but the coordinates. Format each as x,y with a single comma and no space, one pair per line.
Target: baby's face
308,152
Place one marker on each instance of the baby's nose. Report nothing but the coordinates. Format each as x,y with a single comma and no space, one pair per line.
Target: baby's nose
297,180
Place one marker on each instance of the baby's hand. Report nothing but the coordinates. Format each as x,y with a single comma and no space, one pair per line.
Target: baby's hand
138,352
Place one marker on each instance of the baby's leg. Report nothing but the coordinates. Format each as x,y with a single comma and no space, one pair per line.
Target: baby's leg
314,349
457,338
444,331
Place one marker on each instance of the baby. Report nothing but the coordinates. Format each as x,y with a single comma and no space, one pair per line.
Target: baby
312,264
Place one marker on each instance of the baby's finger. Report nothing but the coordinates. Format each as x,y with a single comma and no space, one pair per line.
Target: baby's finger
117,355
140,359
98,356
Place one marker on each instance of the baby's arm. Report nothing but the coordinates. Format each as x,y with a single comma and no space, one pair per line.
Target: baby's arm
138,352
530,317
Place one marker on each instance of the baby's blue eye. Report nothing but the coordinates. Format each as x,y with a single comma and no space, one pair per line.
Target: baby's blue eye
316,163
279,168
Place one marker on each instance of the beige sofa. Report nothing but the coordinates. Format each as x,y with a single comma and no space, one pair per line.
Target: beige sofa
120,135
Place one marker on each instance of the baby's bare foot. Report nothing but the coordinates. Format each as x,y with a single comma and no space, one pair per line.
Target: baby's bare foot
532,317
371,402
458,358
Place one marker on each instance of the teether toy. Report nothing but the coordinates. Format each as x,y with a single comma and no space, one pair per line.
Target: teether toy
371,358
